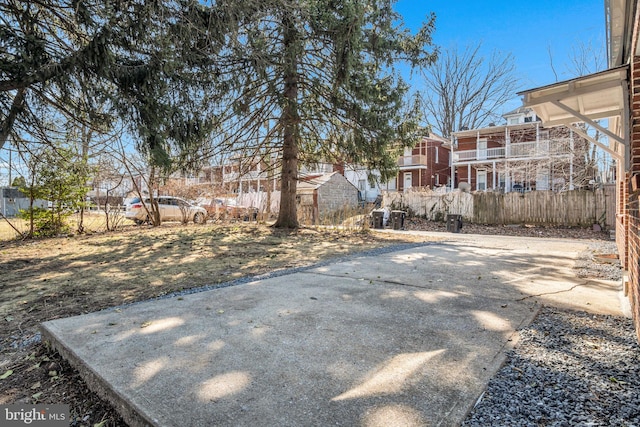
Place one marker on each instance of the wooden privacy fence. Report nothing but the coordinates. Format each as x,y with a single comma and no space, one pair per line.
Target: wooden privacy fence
581,208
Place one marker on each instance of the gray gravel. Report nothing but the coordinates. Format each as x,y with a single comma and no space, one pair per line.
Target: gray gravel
589,265
569,368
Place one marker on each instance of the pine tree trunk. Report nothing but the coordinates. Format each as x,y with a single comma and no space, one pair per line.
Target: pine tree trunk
288,215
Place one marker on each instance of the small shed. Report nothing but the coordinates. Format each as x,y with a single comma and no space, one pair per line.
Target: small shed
320,196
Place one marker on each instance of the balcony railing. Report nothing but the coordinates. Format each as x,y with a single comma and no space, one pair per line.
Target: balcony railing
415,160
247,176
519,150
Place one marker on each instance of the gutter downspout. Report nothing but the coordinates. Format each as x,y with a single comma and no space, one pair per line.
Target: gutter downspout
571,142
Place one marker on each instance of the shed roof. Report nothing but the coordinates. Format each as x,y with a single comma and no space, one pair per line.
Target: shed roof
313,182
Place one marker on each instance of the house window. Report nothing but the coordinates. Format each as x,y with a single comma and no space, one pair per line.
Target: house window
481,179
437,155
514,120
361,184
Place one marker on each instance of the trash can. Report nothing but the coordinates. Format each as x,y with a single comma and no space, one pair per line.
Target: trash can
378,219
397,219
454,223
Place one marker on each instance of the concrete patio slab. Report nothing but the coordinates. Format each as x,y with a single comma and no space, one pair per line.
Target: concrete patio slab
404,338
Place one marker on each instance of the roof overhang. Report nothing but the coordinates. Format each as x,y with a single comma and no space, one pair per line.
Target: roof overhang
595,96
586,99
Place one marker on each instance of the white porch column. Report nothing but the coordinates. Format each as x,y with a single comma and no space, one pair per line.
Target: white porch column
453,168
507,177
453,177
571,160
507,142
495,173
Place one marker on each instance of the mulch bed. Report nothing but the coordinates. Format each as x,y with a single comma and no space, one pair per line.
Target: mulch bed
525,230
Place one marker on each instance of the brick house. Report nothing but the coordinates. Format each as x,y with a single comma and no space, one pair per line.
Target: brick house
425,165
613,95
521,155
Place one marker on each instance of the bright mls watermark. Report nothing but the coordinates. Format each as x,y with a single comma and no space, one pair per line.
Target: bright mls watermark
34,415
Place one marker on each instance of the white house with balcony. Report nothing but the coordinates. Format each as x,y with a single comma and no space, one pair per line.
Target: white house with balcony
521,156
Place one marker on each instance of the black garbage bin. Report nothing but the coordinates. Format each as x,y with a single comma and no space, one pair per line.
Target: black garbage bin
454,223
397,219
378,219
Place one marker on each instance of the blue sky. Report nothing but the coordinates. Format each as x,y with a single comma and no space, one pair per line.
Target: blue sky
526,29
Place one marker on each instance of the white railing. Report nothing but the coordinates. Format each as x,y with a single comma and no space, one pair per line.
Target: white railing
414,160
482,154
523,150
248,176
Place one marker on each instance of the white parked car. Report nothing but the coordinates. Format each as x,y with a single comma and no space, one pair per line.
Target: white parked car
171,209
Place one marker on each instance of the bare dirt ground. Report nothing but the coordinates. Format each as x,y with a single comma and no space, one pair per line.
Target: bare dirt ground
510,230
52,278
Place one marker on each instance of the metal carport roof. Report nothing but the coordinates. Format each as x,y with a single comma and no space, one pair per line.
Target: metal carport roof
587,99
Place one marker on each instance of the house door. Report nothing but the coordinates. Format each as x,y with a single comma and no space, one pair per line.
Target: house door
481,179
502,181
481,149
408,178
542,179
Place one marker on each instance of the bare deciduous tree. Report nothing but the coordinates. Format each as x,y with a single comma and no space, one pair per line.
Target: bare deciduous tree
109,183
465,89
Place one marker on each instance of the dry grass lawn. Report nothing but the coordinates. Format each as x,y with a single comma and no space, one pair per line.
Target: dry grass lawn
65,276
52,278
